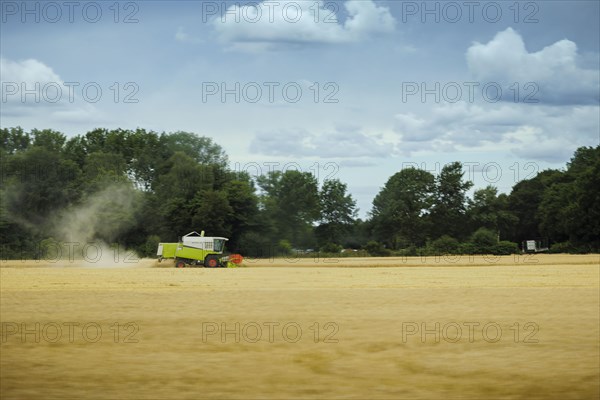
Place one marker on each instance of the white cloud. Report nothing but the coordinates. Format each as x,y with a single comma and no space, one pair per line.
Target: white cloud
365,17
554,69
538,132
353,163
29,83
554,150
29,71
565,118
31,88
299,22
181,35
350,144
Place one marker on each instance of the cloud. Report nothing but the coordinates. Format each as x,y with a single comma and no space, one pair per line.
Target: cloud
365,18
292,23
338,144
534,132
181,35
352,163
29,71
554,69
32,88
566,116
29,83
553,151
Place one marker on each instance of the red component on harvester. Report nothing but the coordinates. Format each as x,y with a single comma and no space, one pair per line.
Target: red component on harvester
236,258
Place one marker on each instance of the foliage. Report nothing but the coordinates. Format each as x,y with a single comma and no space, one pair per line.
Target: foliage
376,249
290,204
570,207
561,247
338,212
490,210
136,188
284,247
449,211
524,201
484,241
505,247
331,248
445,245
148,249
400,208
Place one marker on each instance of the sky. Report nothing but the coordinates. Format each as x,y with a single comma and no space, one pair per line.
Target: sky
353,90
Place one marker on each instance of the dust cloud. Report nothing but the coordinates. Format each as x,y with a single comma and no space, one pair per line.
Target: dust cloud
87,231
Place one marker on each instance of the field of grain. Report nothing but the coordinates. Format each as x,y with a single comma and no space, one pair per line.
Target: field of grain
382,328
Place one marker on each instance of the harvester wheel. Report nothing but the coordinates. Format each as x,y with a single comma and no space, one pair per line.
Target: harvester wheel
211,261
179,264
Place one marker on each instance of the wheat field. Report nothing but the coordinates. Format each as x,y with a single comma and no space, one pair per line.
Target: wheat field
382,328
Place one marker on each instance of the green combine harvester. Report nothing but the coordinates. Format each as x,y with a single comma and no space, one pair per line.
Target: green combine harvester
197,250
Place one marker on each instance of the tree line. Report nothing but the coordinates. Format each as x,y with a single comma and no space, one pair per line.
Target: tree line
136,188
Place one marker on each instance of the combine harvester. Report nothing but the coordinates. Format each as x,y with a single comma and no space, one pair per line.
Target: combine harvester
197,250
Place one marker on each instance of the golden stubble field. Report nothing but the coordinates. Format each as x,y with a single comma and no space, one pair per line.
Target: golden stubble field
386,328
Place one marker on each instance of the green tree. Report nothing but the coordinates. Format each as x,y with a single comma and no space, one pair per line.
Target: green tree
103,169
554,211
176,190
290,201
491,211
13,140
585,216
94,140
148,158
184,178
524,201
48,139
445,245
38,182
484,241
200,148
401,208
338,211
376,249
448,215
180,181
212,213
242,199
570,205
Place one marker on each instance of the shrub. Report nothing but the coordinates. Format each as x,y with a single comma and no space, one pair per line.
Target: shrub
445,245
484,241
426,251
467,248
505,247
284,247
331,248
376,249
410,251
148,249
562,247
252,244
571,248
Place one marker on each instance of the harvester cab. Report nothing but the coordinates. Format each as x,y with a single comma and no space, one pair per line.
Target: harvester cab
197,250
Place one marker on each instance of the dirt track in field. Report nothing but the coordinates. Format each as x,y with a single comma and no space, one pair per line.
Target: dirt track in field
512,327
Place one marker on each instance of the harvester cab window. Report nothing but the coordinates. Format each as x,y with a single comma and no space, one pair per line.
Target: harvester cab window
218,245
